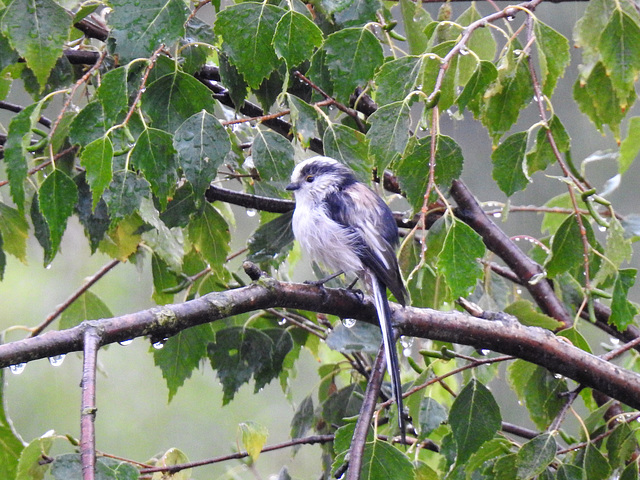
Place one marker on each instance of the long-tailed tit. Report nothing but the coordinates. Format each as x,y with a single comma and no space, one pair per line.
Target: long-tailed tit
344,225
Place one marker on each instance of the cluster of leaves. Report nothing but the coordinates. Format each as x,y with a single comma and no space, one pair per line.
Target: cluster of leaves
165,97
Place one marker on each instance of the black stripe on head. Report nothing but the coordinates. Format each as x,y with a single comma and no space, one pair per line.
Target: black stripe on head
344,174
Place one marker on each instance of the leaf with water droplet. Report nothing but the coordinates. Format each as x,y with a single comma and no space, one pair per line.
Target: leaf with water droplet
87,306
57,197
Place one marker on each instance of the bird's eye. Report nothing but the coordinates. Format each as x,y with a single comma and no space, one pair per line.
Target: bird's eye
310,178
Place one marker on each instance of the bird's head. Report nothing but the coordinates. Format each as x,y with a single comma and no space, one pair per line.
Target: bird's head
319,176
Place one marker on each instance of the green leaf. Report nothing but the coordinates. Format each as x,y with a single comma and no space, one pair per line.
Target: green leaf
254,436
167,244
596,463
15,152
140,28
123,238
31,466
382,461
630,472
345,403
241,353
90,124
181,354
95,222
415,19
361,337
509,95
432,415
620,52
172,457
539,390
202,144
352,13
155,156
542,154
413,170
489,451
69,466
352,56
630,146
97,159
350,147
526,313
209,233
125,193
621,445
87,307
272,240
474,419
472,94
303,418
397,78
566,248
37,29
11,447
114,93
273,156
295,38
15,231
570,472
458,260
41,230
304,119
553,55
622,310
57,197
432,64
173,98
389,133
535,455
247,30
509,170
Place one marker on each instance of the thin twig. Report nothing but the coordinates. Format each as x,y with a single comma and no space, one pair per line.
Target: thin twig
74,296
92,338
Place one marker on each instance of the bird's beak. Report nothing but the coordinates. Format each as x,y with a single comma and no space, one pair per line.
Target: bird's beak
292,187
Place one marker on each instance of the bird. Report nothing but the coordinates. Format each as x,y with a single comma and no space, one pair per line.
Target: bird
345,226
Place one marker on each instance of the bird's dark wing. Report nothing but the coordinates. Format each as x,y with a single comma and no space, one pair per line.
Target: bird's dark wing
359,209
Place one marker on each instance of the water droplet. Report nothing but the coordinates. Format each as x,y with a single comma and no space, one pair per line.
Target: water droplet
48,267
406,352
159,345
614,341
251,212
520,402
511,18
517,239
282,321
464,51
124,343
519,291
497,215
602,228
484,352
348,322
57,360
557,376
18,368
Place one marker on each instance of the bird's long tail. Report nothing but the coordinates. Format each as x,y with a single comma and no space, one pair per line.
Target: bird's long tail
393,366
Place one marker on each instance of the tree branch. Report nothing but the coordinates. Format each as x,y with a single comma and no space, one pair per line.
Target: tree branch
91,340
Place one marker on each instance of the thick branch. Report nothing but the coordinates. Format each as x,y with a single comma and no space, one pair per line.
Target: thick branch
509,337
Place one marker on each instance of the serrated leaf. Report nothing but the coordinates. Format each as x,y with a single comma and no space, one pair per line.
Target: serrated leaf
171,457
247,30
553,55
173,98
566,248
140,28
97,159
570,472
57,197
526,314
621,445
254,436
472,93
474,419
620,52
15,231
481,43
123,238
155,156
69,466
630,146
295,38
361,337
350,147
630,472
623,311
30,466
181,354
273,156
489,450
458,260
11,447
180,208
303,418
113,92
202,144
432,415
413,170
511,93
125,193
397,78
272,240
447,91
542,154
352,57
167,243
15,152
89,124
209,233
304,119
37,29
344,403
535,455
596,463
41,230
415,19
352,13
95,221
509,170
389,133
86,307
539,390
